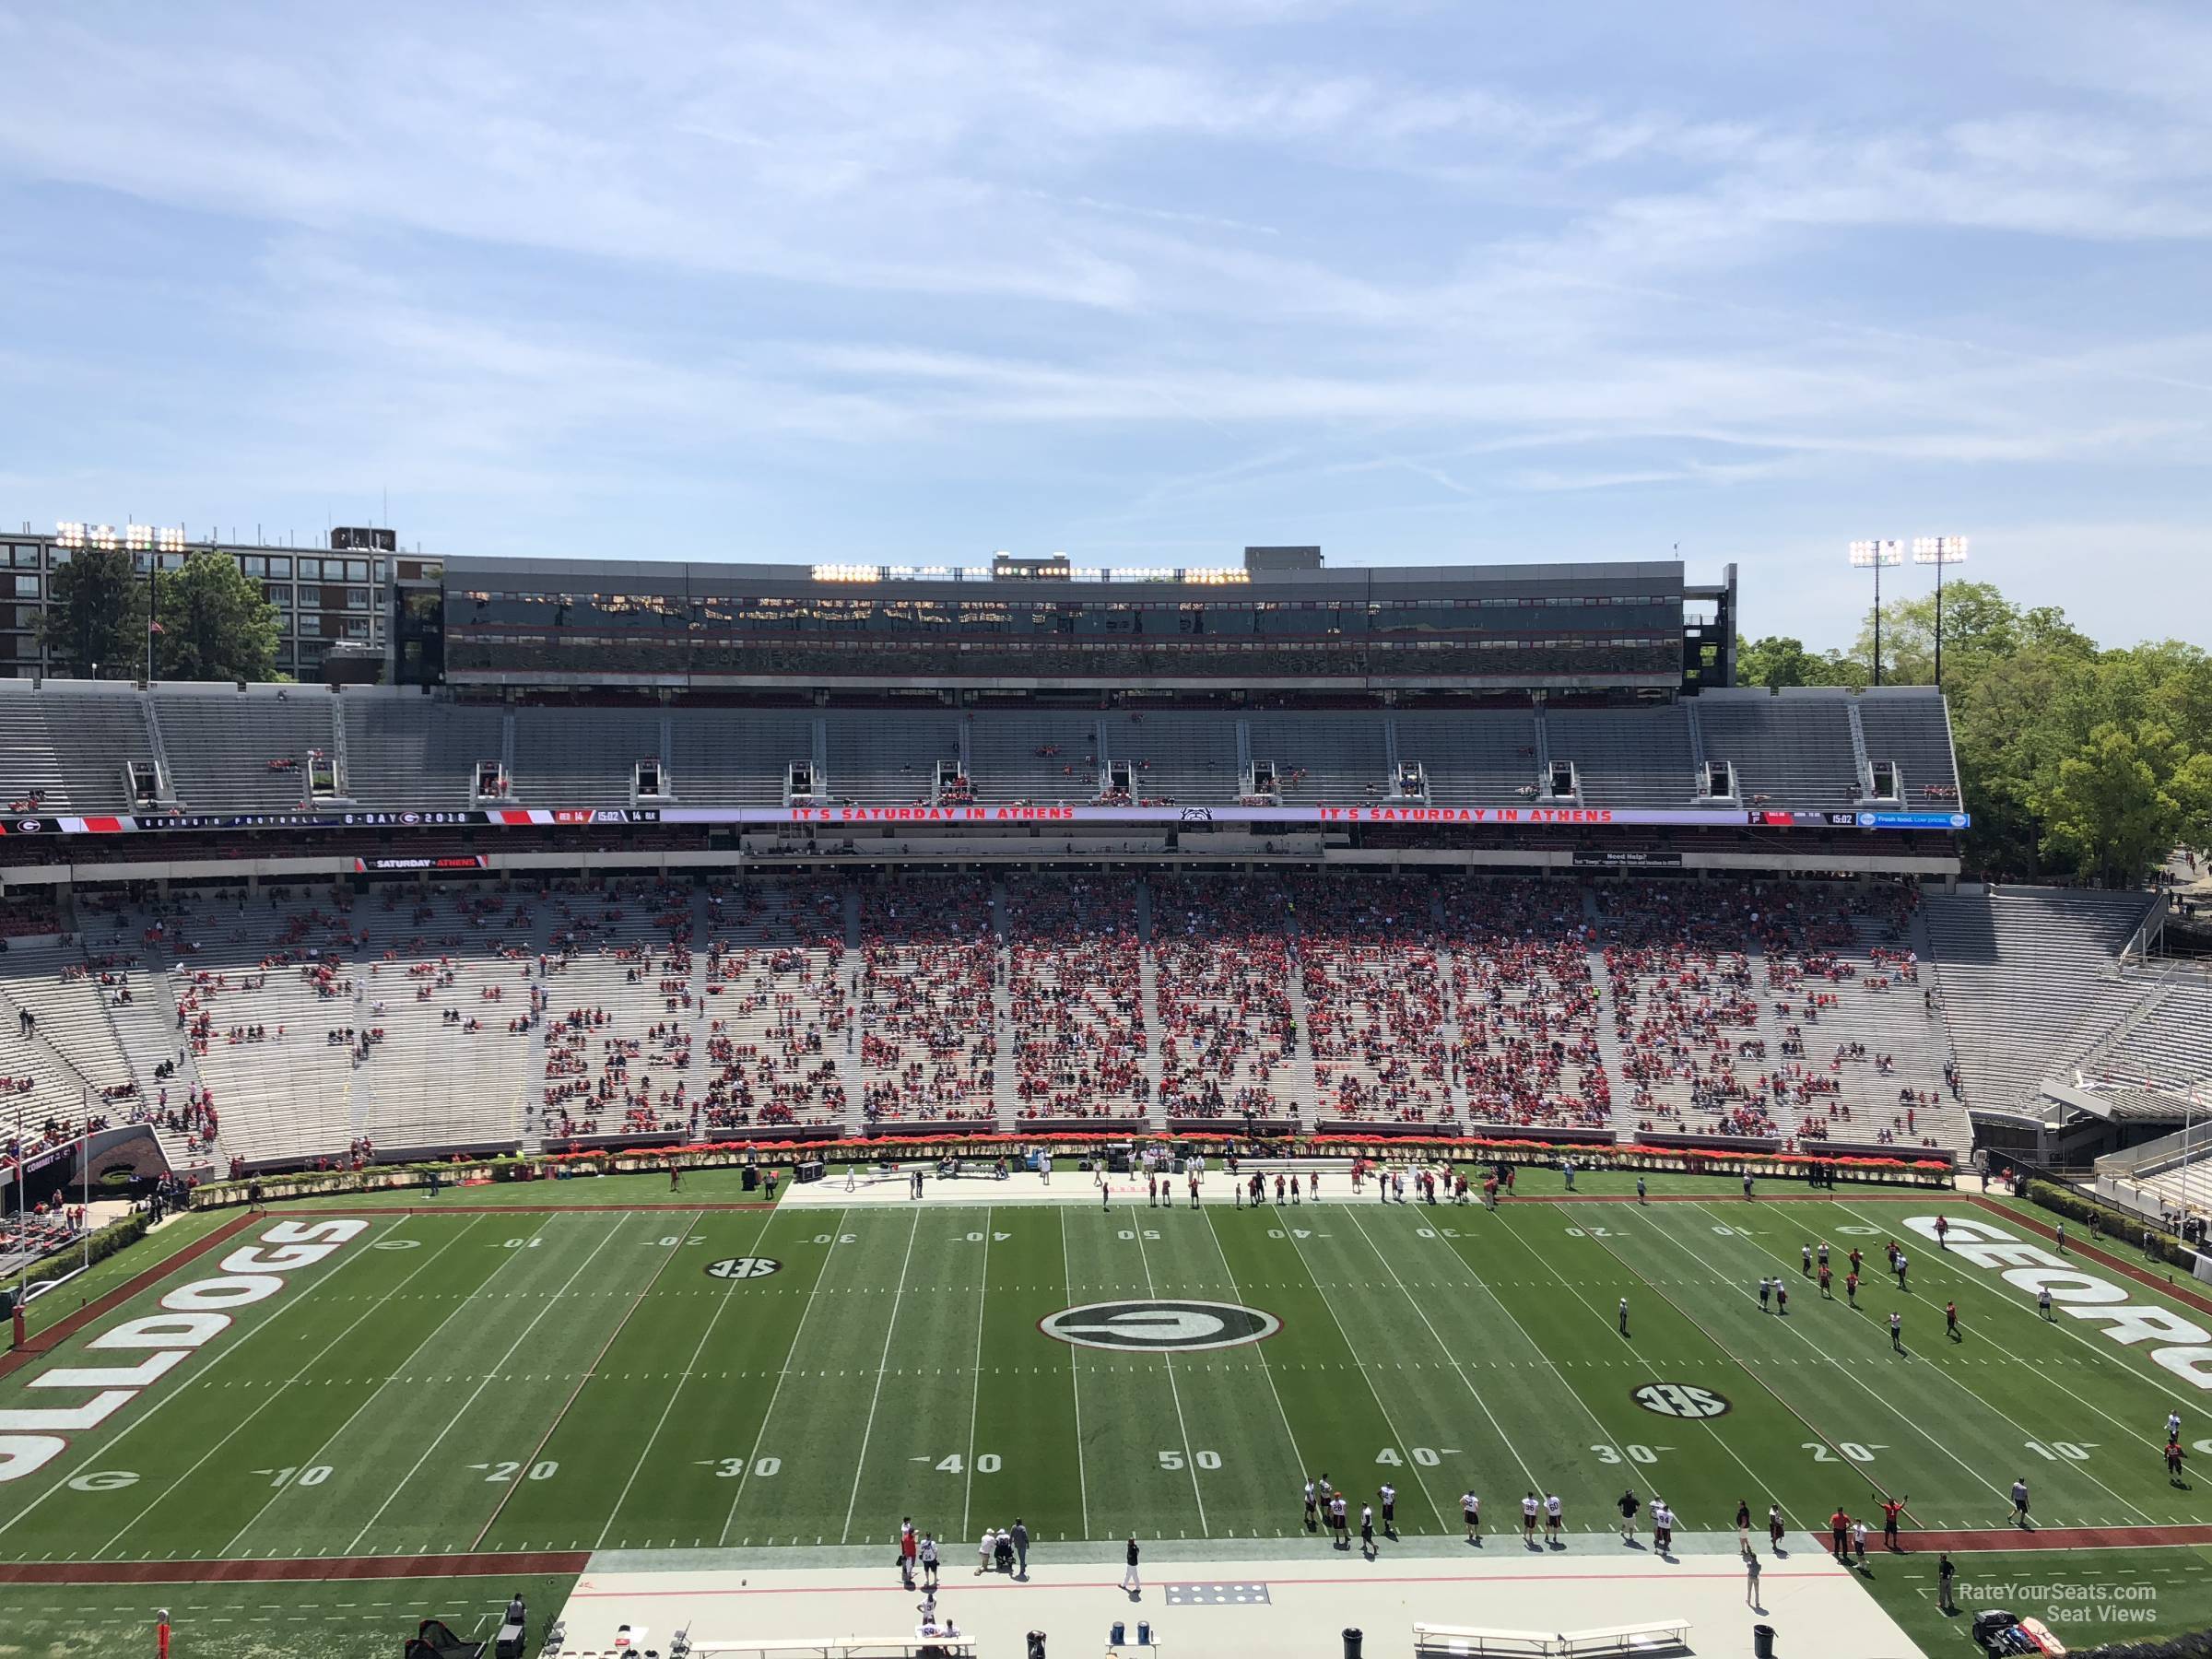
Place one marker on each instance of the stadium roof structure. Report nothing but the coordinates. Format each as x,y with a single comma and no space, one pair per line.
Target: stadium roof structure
1278,622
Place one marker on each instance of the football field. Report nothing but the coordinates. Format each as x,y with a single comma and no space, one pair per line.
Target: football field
562,1380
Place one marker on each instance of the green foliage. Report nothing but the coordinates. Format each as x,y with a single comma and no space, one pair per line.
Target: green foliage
95,622
2116,1228
116,1235
215,623
1778,661
2077,763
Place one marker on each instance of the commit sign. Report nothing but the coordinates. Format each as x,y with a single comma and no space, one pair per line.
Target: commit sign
148,1348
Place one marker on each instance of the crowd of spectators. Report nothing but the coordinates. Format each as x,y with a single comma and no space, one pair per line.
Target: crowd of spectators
1228,1031
927,999
1075,997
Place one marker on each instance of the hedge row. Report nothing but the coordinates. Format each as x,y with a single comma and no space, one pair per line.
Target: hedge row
2118,1225
729,1154
116,1235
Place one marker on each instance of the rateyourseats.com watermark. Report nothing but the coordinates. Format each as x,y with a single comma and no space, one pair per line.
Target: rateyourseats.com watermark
2066,1603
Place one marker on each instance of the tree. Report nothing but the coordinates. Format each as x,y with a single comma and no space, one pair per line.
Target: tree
94,622
214,622
2118,806
1779,659
2073,762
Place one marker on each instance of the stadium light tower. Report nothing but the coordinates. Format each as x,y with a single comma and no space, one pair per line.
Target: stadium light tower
1872,556
1939,551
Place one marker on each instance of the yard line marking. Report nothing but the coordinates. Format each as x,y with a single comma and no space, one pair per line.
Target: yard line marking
514,1257
145,1417
170,1489
1864,1387
2156,1386
1268,1371
604,1348
1189,1456
882,1364
975,1397
1473,1391
1712,1431
814,1295
1372,1391
551,1302
1074,1376
728,1294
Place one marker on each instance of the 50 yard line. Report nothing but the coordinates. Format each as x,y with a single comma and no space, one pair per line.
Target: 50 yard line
1190,1459
860,1463
1074,1377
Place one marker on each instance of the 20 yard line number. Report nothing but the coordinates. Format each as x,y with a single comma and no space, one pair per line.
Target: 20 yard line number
1851,1449
497,1474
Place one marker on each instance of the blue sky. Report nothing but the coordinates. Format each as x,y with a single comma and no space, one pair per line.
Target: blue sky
1144,282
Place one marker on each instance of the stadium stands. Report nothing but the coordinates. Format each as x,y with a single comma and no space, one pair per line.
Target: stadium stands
285,1026
321,1024
67,744
2029,981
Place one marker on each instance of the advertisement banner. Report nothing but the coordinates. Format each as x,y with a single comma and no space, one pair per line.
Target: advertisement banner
1412,815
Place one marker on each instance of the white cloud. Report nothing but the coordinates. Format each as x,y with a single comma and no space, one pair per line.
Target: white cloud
1347,264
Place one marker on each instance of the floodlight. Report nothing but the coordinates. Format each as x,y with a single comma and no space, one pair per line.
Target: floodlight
1939,549
1872,555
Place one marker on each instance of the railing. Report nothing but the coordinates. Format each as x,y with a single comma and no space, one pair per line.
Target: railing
2154,923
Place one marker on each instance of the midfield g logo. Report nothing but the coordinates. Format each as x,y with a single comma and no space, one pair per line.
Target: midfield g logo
1680,1400
1160,1326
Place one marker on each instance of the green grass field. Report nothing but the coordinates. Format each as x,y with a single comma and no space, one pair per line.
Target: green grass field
330,1620
577,1379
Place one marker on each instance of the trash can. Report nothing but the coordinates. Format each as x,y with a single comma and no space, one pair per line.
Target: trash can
1117,1634
1352,1639
748,1178
1763,1641
1144,1632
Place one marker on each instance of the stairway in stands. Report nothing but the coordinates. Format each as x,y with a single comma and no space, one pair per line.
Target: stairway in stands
1609,1046
1148,980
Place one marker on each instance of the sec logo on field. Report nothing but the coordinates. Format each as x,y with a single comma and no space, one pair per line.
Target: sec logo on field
1162,1326
744,1267
1680,1400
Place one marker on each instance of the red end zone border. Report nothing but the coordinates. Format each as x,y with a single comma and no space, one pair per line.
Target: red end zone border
287,1569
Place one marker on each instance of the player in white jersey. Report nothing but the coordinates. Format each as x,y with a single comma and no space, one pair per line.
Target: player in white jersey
1529,1506
1388,1495
1470,1512
1312,1522
1551,1518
